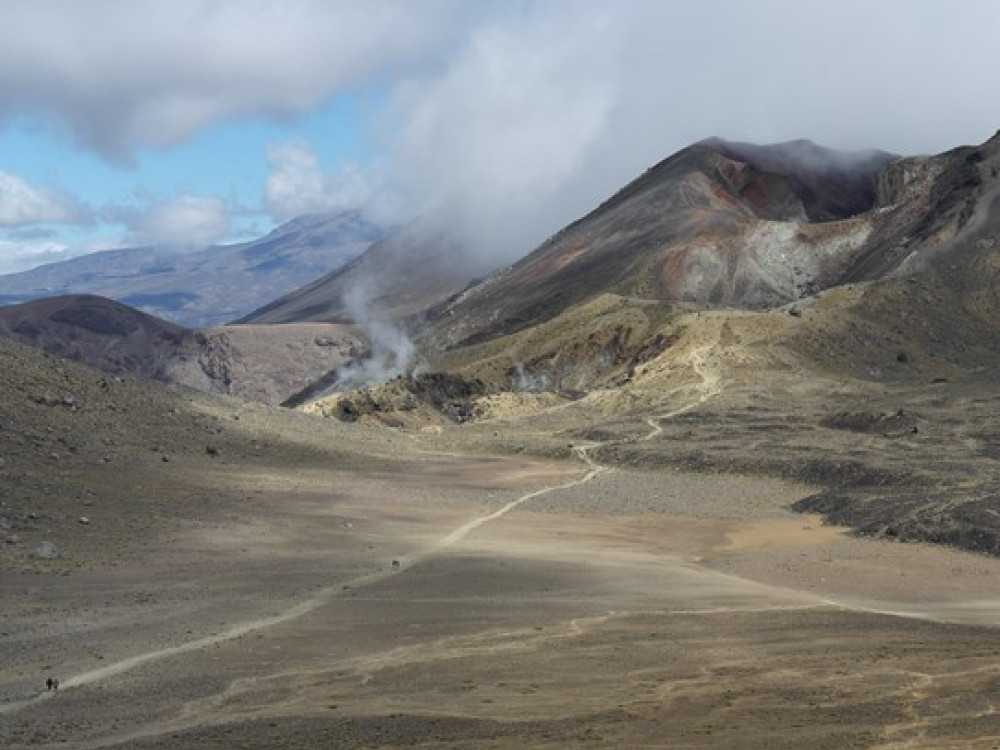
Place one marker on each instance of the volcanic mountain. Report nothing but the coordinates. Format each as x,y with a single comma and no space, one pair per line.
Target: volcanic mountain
718,224
738,334
829,318
735,226
208,286
745,310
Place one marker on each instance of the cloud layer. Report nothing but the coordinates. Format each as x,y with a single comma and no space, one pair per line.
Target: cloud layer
507,119
184,221
23,204
297,185
118,75
547,108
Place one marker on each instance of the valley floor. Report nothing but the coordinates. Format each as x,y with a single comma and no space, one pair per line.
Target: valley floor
460,601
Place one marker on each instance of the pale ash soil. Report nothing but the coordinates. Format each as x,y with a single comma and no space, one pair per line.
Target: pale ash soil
538,602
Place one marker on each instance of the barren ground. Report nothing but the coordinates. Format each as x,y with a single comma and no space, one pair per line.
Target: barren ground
615,563
536,604
562,579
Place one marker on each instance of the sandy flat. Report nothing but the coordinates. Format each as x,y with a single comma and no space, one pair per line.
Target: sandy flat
532,604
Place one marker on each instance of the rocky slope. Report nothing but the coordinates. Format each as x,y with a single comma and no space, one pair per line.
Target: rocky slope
209,286
100,466
871,375
258,363
718,224
397,278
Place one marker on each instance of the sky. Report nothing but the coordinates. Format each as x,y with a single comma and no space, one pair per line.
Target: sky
186,123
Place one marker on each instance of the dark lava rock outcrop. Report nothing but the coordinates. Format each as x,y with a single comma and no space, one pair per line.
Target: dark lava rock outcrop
450,395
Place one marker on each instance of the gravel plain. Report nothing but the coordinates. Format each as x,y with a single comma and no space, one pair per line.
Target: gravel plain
307,583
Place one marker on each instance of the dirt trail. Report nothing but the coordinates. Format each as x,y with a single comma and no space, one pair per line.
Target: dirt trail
704,391
707,388
324,596
464,530
699,591
321,598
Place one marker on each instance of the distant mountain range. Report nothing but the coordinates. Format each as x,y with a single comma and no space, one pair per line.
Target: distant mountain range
209,286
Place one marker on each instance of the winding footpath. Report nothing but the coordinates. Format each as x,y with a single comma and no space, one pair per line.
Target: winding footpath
319,599
706,389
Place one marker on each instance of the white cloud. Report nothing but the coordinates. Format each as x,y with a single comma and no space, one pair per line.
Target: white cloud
184,221
495,138
21,256
122,74
20,252
23,204
549,107
509,118
297,185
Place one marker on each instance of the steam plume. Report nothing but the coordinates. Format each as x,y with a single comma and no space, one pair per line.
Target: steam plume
392,352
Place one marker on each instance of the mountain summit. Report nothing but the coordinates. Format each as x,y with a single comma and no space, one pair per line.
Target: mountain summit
719,224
